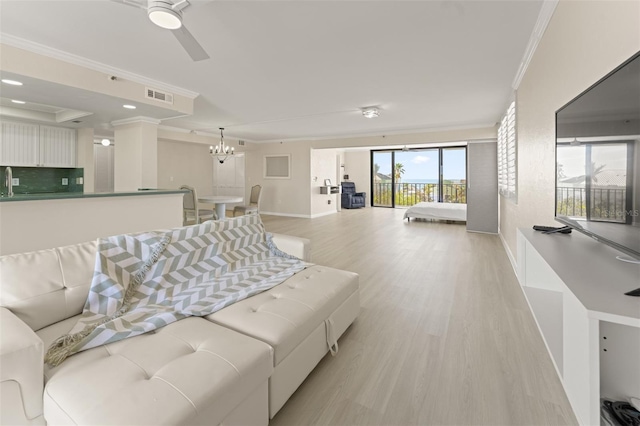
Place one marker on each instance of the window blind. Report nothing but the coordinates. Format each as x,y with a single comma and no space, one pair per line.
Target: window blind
507,154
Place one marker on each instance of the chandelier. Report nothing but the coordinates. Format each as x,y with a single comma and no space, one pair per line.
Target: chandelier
221,152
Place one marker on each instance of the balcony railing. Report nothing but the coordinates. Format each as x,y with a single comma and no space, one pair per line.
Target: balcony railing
408,194
608,204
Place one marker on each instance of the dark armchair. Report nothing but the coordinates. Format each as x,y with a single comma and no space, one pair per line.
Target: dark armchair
350,198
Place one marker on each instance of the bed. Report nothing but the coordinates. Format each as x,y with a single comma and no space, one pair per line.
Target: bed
441,211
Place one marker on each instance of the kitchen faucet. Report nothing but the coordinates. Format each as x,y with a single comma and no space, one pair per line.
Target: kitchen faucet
8,181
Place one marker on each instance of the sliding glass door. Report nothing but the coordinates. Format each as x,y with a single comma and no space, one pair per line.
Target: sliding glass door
382,178
402,178
417,176
454,175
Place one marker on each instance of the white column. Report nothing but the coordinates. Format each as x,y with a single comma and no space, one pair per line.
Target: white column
85,157
136,154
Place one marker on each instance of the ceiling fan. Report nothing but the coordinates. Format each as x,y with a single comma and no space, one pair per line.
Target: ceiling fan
168,14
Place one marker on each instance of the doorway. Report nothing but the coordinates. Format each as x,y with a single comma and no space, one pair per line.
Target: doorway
103,157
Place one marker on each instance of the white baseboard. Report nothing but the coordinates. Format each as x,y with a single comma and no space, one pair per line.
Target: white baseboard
514,263
304,216
313,216
482,232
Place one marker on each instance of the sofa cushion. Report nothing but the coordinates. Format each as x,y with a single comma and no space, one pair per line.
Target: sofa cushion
21,352
285,315
161,377
52,332
54,290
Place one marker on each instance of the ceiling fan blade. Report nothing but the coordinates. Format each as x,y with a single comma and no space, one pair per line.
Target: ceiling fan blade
190,44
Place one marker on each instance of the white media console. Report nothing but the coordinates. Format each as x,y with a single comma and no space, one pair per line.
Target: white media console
575,287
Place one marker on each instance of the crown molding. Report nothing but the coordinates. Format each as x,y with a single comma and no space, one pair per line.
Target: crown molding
482,141
384,133
133,120
41,49
546,12
173,129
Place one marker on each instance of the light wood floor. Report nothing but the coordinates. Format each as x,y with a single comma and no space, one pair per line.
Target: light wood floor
444,337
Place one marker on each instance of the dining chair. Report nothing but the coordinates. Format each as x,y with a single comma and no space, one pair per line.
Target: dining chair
191,214
254,202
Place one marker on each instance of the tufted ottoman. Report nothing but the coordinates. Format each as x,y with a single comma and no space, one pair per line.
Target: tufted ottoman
301,319
189,372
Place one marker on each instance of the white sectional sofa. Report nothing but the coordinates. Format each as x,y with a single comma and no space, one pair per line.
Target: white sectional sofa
237,366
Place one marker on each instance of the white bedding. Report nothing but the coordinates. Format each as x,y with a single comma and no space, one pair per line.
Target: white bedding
442,211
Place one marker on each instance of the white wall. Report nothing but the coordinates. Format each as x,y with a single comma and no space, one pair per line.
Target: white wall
290,197
323,166
358,167
136,156
583,42
183,159
185,163
86,157
45,68
399,140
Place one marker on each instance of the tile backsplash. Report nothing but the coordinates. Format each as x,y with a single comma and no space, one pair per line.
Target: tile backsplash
38,180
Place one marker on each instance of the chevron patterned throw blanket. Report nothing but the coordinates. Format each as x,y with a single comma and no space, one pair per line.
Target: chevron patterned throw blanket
145,281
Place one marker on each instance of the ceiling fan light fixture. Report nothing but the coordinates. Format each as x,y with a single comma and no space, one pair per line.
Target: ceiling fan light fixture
370,112
162,14
11,82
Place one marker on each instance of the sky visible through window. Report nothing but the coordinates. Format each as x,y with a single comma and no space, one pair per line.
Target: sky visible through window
422,166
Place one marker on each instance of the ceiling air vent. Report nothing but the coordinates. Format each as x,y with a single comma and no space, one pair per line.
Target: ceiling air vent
157,95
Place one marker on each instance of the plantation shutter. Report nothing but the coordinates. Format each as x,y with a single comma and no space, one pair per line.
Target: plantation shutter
507,154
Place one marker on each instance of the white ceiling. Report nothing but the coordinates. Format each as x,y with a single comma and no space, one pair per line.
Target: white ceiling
302,69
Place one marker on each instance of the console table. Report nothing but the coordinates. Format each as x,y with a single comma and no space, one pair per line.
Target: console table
575,288
330,189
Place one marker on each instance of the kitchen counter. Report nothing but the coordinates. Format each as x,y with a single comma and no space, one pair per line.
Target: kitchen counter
67,195
30,222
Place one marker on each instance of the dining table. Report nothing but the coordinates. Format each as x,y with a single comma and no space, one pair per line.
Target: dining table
220,202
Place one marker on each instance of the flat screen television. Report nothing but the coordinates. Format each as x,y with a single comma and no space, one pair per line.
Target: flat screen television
598,160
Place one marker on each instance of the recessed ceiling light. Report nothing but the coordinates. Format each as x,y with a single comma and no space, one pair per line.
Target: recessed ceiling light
370,112
105,142
11,82
129,106
15,101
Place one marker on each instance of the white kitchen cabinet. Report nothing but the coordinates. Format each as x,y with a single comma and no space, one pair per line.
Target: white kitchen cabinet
30,145
19,144
57,147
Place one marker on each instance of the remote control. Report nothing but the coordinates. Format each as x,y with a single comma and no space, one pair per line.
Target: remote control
551,229
635,293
